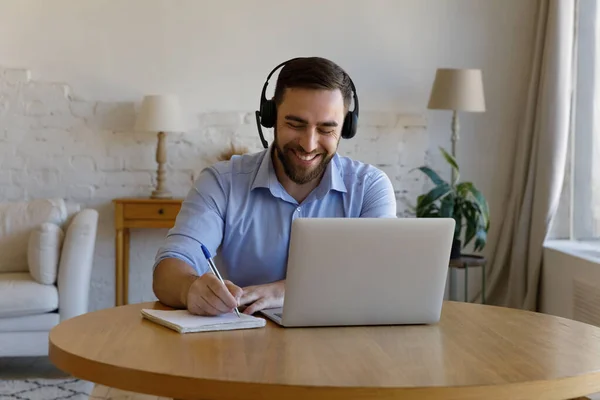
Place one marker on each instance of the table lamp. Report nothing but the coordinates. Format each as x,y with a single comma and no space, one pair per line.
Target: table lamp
457,90
160,113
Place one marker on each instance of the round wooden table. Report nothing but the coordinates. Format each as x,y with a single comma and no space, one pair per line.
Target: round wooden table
475,352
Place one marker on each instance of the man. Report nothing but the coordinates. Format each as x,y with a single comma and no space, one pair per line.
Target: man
246,205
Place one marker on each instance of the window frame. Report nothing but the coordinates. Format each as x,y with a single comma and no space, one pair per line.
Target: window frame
584,201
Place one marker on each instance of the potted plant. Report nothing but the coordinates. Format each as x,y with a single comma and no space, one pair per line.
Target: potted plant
461,201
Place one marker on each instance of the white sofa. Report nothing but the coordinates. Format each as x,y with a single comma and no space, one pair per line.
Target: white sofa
46,255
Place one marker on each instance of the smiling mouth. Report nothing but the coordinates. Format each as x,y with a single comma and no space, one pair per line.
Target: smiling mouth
308,158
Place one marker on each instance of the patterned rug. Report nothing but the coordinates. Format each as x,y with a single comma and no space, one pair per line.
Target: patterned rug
46,389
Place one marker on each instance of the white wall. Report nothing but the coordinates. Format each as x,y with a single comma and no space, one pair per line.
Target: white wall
216,55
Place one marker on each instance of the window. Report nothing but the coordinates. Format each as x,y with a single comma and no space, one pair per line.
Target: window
584,158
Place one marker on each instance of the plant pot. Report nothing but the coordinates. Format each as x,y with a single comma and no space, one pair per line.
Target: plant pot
455,252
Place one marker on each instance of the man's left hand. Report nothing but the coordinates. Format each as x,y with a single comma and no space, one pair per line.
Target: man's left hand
260,297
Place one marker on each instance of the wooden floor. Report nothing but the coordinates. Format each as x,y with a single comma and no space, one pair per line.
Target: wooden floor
41,367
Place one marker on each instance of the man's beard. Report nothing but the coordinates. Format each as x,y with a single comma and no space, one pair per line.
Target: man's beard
297,174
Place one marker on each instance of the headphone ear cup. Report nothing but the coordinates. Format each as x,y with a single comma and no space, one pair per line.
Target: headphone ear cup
268,114
350,125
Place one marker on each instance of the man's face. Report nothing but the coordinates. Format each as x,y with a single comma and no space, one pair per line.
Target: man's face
308,130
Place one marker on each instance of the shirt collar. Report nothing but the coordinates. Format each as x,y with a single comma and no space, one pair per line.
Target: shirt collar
267,178
332,179
265,169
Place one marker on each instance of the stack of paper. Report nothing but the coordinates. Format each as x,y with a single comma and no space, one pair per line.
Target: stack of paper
183,321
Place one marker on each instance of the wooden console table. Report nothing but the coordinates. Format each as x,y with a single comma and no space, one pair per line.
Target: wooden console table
137,213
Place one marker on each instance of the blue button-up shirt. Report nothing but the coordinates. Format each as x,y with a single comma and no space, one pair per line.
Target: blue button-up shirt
240,206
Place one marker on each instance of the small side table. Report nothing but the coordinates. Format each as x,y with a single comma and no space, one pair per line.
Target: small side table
137,213
465,262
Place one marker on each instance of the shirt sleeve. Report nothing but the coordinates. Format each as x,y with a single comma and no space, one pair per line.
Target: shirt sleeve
379,199
200,221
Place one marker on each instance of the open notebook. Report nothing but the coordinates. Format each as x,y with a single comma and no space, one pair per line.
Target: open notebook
183,321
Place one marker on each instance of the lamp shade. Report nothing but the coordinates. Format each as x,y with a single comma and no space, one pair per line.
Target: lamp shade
458,90
160,113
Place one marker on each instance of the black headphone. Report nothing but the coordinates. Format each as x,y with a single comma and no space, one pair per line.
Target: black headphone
268,111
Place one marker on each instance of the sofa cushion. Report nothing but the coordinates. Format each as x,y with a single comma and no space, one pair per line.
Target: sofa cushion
16,222
43,253
30,323
20,295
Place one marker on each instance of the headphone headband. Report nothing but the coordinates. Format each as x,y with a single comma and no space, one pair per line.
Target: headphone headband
263,97
267,113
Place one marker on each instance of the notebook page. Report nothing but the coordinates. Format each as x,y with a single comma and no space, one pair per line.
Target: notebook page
184,321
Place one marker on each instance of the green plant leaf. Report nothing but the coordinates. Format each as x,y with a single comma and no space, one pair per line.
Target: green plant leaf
430,214
457,226
452,161
447,206
418,208
423,210
464,188
449,158
483,204
480,239
433,195
431,211
480,216
435,178
471,222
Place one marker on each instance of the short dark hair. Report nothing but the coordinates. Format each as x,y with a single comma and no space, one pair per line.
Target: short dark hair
313,73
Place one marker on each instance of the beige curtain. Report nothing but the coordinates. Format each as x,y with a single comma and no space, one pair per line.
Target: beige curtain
514,267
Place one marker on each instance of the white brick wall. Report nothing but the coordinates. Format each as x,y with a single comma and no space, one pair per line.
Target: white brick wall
52,144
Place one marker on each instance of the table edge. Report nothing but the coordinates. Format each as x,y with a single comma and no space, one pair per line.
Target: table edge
190,388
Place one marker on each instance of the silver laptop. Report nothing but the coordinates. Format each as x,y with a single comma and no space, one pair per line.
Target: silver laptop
365,271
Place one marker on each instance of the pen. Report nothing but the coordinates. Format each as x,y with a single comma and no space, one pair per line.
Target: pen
215,271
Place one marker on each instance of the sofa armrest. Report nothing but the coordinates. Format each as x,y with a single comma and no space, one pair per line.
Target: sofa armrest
75,267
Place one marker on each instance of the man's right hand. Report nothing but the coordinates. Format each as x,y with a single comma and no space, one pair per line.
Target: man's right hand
208,296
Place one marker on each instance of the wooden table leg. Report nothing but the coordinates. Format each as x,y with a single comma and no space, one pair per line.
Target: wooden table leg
125,270
119,267
466,283
483,284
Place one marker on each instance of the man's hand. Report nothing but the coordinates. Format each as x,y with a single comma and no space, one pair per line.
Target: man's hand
260,297
208,296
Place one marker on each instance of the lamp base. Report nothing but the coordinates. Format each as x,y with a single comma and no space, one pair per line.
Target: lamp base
161,194
161,174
